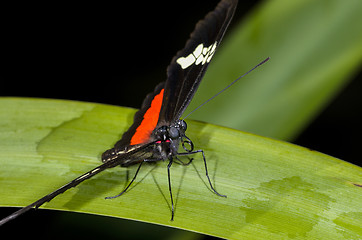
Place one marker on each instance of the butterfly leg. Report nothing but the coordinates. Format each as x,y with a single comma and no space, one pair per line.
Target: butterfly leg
126,188
206,171
183,163
169,188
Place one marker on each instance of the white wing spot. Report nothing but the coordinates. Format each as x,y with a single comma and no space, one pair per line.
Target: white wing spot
199,59
198,50
209,58
205,58
213,47
185,62
201,55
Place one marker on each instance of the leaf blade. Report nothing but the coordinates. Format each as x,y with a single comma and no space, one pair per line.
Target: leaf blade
264,179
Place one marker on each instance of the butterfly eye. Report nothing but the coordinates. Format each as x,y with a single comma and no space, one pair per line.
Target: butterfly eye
173,132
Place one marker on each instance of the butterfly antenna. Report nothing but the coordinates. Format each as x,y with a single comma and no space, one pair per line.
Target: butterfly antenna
217,94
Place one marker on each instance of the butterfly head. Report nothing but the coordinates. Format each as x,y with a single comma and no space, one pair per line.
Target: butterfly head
172,132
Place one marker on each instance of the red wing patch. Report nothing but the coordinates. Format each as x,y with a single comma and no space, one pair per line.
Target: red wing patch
149,122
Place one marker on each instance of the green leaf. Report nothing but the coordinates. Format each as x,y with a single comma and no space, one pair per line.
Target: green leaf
315,49
275,190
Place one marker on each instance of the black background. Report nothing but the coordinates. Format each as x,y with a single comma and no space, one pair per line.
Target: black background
116,55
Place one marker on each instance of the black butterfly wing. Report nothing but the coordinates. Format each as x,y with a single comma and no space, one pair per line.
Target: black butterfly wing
183,77
189,65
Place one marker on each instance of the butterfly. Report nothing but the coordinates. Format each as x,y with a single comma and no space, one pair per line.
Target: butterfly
158,132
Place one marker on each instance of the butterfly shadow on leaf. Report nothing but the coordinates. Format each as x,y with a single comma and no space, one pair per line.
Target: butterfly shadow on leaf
109,183
201,135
